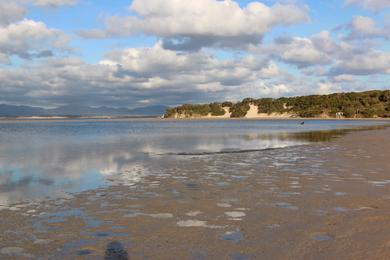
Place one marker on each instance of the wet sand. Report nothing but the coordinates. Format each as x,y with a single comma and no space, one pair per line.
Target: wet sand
328,200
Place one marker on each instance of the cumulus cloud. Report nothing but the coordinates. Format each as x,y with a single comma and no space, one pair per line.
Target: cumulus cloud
28,39
127,76
372,62
374,5
190,25
157,67
10,12
325,88
362,27
343,78
321,56
162,76
51,3
179,68
302,51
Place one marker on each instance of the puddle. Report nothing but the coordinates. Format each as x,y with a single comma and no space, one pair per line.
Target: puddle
196,223
84,252
222,184
380,183
364,208
322,212
224,205
235,236
273,226
192,186
286,205
235,214
239,177
193,213
103,234
60,216
155,215
192,223
118,227
160,215
73,247
322,237
340,193
340,209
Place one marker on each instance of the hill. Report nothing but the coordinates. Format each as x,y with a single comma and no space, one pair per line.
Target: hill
369,104
76,110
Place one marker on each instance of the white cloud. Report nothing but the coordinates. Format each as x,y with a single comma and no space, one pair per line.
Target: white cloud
320,56
302,51
154,61
10,12
363,27
165,74
126,76
52,3
194,24
28,38
343,78
325,88
374,5
369,63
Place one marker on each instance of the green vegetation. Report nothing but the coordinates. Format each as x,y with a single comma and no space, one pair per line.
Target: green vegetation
188,110
349,105
239,109
269,105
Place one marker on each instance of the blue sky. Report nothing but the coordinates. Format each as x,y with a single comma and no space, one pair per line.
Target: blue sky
148,52
324,15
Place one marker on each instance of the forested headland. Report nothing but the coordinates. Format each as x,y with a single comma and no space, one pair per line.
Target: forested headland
369,104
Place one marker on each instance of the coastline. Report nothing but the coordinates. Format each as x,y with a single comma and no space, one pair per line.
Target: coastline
274,118
331,201
158,118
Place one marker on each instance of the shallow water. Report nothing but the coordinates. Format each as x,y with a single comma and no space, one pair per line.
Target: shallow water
54,159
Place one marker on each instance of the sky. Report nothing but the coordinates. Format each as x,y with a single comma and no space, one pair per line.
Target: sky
139,53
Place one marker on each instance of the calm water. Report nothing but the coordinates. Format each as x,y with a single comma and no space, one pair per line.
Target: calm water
51,159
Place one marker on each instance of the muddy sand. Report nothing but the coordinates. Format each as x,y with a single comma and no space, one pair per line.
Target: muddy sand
328,200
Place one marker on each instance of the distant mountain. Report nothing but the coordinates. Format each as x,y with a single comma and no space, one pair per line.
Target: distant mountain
9,110
78,110
158,110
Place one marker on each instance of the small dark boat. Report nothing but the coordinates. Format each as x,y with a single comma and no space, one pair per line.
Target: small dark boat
302,123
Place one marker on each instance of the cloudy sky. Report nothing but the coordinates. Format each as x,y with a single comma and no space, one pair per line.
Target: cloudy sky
136,53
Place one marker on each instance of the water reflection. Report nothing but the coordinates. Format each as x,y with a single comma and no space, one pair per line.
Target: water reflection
46,160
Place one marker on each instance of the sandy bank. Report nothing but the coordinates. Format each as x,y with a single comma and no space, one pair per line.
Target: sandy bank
253,113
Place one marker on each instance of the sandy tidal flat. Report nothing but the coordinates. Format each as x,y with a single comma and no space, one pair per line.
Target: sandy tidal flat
326,200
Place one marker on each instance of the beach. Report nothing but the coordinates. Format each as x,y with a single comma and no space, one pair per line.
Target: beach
318,200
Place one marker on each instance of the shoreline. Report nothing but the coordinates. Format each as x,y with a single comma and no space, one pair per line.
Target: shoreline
275,118
155,118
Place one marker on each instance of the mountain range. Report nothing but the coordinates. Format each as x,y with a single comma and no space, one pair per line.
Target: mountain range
78,110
